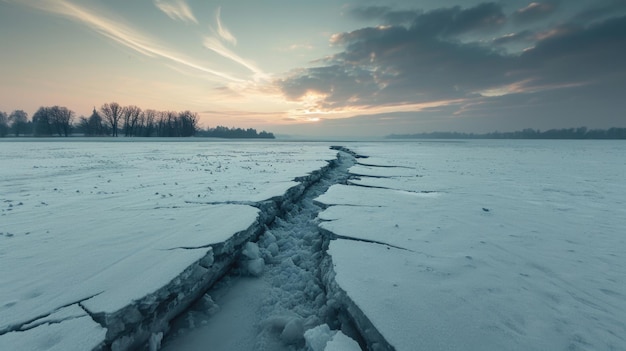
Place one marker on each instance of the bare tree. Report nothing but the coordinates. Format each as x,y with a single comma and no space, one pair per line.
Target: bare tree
112,117
19,121
42,122
131,116
188,123
83,126
160,122
92,126
112,113
149,122
61,119
167,123
4,124
172,124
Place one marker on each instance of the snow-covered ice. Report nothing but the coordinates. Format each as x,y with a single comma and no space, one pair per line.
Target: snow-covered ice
129,232
79,333
477,245
484,245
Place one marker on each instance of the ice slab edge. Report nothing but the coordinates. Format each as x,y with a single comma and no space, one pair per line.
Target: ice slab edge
133,326
348,312
353,320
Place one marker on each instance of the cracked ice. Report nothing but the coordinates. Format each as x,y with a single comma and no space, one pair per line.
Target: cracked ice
477,245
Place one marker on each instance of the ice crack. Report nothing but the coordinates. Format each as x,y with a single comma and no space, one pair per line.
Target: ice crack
247,203
357,175
333,236
286,260
388,188
382,166
293,247
59,315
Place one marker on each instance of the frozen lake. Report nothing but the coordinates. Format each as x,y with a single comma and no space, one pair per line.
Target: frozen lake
476,245
496,245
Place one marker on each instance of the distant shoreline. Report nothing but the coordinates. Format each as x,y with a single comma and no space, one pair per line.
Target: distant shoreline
581,133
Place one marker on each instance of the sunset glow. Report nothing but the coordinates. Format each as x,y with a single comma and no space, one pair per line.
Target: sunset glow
280,65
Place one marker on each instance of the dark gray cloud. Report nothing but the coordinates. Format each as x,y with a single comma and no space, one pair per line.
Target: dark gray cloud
398,64
443,22
601,10
426,60
385,14
342,83
573,54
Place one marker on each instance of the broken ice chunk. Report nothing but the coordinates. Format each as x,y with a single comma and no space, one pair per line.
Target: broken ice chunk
255,267
251,251
293,332
252,262
317,338
341,342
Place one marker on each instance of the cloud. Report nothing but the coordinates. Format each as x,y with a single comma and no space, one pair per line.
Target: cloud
525,36
398,65
216,46
534,11
600,11
591,54
123,35
384,13
222,31
301,46
176,10
442,22
402,65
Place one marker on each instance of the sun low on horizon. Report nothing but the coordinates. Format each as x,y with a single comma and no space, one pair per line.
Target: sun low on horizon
358,68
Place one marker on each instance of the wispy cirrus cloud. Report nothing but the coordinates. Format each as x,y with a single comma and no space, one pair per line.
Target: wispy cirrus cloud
216,44
218,47
176,10
124,35
222,31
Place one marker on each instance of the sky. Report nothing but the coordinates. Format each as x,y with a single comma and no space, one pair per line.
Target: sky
324,68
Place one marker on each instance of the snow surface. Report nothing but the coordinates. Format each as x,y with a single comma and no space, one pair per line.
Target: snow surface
73,334
478,245
104,225
483,245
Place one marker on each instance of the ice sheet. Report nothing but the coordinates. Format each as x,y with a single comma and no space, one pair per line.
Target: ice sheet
105,224
70,335
518,247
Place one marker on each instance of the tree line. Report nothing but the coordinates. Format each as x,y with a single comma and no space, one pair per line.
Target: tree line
224,132
569,133
112,119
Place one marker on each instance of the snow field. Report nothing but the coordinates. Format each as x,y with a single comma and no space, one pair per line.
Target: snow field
479,245
114,230
484,245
